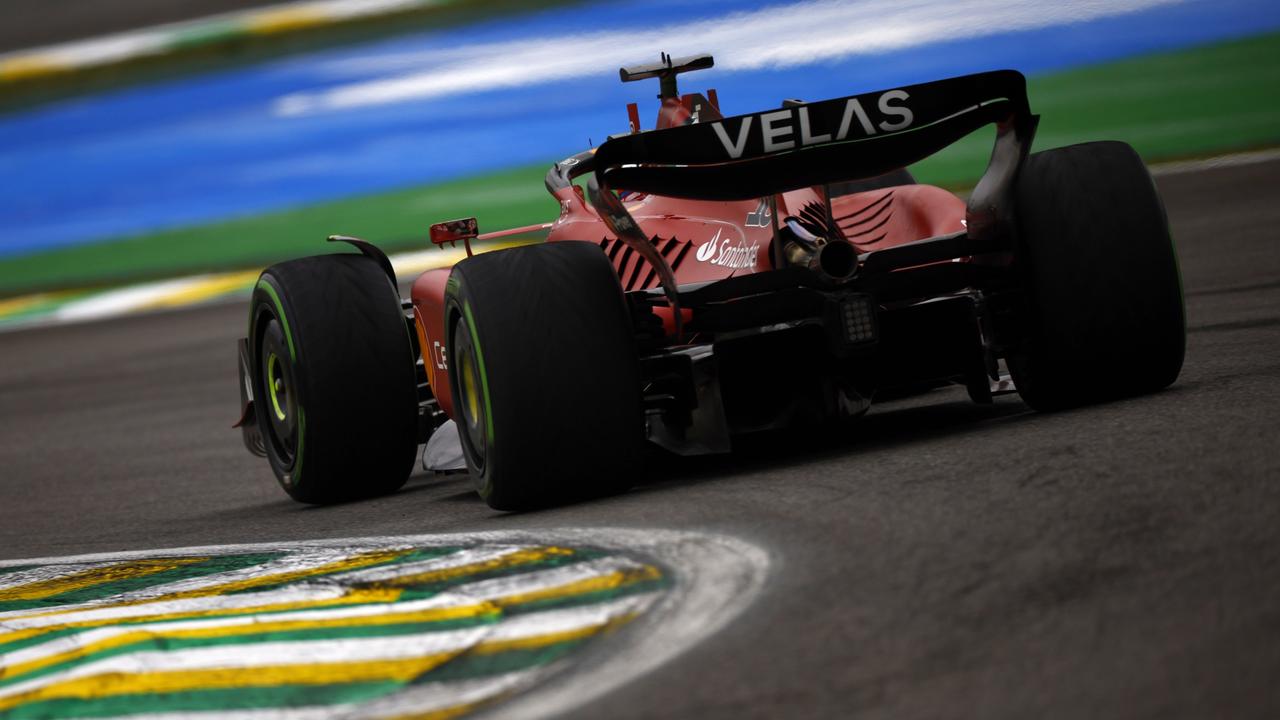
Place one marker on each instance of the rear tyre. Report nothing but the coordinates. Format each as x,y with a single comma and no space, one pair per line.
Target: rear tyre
544,374
334,379
1105,316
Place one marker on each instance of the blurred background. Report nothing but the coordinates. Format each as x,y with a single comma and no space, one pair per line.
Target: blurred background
160,152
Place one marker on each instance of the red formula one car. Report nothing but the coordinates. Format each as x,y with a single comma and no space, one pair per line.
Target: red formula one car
721,276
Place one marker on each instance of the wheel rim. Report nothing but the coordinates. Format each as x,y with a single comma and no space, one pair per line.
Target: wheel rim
278,387
474,435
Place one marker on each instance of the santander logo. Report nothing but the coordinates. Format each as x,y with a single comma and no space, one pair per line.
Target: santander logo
726,254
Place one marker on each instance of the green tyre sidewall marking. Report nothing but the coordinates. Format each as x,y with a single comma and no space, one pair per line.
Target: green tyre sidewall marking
284,320
453,288
296,473
484,376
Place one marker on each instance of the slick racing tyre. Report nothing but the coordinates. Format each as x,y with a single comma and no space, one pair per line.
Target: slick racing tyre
1104,315
334,381
544,374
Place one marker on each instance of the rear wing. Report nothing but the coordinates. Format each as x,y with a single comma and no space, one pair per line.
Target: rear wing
816,143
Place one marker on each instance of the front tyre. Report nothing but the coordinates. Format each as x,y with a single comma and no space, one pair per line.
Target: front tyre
544,374
334,379
1105,316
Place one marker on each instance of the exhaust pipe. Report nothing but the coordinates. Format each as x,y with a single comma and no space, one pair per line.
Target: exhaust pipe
835,260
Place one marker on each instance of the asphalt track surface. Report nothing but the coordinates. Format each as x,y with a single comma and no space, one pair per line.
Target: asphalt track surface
937,559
